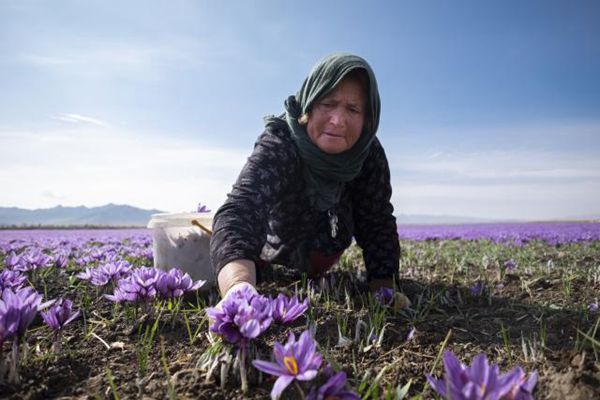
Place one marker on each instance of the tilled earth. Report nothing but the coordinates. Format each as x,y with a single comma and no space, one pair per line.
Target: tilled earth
522,318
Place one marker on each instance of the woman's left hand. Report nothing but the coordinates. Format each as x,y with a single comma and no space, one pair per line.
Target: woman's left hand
398,300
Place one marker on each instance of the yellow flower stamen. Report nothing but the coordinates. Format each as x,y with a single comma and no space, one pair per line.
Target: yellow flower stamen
290,363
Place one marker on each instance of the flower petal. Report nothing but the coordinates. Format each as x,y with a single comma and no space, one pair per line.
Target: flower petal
479,371
307,375
437,384
280,384
250,329
269,367
530,383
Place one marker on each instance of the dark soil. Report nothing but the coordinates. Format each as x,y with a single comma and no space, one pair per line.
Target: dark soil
535,318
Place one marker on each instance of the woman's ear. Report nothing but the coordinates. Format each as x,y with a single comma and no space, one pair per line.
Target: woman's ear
303,120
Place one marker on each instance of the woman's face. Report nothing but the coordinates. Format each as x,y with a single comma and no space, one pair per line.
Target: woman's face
336,119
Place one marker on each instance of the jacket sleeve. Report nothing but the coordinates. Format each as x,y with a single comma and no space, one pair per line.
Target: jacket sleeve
376,231
240,224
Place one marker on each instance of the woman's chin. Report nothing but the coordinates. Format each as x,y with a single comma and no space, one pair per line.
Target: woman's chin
332,146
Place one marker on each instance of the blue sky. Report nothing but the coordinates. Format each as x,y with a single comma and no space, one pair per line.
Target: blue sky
489,109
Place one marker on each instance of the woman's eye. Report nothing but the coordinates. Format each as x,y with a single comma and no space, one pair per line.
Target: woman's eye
327,105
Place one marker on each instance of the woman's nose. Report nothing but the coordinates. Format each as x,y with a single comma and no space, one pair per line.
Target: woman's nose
337,117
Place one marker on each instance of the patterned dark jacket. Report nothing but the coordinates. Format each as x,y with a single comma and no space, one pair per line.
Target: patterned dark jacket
267,214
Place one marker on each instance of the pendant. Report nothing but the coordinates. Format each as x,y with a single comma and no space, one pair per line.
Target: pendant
333,221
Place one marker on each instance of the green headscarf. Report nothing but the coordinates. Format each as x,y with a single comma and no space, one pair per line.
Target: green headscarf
325,174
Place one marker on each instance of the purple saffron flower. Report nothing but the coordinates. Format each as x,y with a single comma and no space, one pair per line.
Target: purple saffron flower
11,279
17,311
61,259
32,298
202,208
85,275
328,371
9,321
479,381
175,283
333,389
592,307
60,314
288,309
140,286
96,255
32,260
243,315
12,260
477,289
411,334
510,265
385,296
254,319
144,253
20,307
106,273
294,360
83,261
524,389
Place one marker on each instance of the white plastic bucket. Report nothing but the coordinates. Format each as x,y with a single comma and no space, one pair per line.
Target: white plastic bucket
182,241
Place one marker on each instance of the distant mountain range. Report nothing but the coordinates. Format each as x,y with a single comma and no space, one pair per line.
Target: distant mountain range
107,215
115,215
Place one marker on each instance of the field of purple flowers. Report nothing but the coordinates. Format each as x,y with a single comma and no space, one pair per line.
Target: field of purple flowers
481,312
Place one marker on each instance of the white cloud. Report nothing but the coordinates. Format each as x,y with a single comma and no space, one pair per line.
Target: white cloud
530,184
77,118
101,58
499,201
93,165
504,164
513,145
52,195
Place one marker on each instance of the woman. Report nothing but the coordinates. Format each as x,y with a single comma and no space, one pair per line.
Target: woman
318,176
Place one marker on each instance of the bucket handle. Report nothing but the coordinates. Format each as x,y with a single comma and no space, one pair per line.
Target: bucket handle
199,225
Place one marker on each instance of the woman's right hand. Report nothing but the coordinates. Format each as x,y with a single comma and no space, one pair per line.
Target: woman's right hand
235,276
